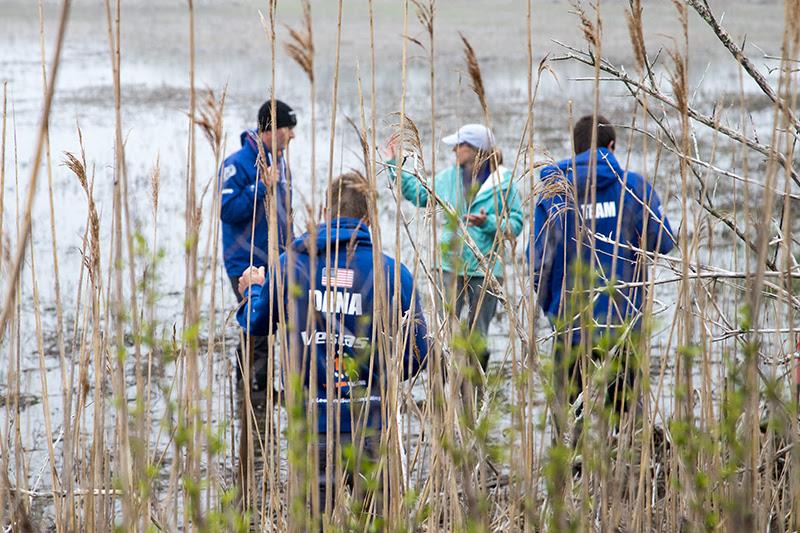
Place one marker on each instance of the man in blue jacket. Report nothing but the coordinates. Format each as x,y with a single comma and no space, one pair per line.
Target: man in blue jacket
244,180
334,308
593,225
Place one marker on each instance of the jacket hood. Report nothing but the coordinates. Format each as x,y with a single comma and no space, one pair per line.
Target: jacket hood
343,230
608,169
250,141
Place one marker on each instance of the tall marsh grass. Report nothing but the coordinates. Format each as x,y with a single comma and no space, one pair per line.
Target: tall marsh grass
154,435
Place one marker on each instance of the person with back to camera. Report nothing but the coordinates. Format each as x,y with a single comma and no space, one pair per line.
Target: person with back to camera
339,293
624,222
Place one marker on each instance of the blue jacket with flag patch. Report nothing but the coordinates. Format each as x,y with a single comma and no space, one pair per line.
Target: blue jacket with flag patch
242,193
627,209
339,293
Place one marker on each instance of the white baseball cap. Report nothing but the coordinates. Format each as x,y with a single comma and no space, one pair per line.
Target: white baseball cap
476,135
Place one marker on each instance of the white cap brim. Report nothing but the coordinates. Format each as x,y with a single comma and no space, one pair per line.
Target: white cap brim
451,140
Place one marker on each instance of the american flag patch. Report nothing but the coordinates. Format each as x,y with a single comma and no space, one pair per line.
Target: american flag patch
337,277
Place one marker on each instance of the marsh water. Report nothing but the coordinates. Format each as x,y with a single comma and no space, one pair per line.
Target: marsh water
234,55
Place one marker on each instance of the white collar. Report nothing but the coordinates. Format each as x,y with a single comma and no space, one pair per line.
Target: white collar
495,179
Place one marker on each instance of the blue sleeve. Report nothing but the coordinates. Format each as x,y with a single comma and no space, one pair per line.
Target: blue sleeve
654,224
260,302
549,230
417,351
238,193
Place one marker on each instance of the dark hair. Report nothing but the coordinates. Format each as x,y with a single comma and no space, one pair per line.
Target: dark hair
284,116
582,133
493,157
349,196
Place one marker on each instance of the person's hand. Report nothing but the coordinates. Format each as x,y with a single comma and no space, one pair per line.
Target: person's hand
252,276
389,150
476,220
267,173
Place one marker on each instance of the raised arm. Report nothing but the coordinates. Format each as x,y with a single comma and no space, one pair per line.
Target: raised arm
410,186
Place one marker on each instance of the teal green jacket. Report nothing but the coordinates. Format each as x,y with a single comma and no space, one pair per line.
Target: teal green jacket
498,197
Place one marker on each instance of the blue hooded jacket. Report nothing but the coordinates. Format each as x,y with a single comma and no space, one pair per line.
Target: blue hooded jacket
242,190
625,202
341,292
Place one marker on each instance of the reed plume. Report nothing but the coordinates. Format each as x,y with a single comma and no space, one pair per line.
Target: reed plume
300,45
590,30
474,71
633,16
209,118
405,133
155,183
77,167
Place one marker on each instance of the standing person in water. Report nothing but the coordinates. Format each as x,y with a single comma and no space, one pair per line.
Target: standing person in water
594,224
482,193
337,290
244,180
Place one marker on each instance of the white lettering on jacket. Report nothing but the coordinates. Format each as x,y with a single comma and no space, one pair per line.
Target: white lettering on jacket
321,337
337,302
603,210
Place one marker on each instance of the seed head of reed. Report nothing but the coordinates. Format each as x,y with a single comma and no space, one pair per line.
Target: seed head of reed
474,71
155,183
406,130
634,18
555,185
209,118
77,167
678,81
425,14
591,32
683,12
300,45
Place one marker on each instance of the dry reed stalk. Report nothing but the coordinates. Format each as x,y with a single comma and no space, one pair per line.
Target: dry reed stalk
149,290
71,431
54,240
330,461
125,467
48,425
300,47
93,266
14,272
4,250
11,296
211,123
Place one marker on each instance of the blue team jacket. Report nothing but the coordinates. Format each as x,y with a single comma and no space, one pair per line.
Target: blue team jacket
624,201
340,291
241,188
